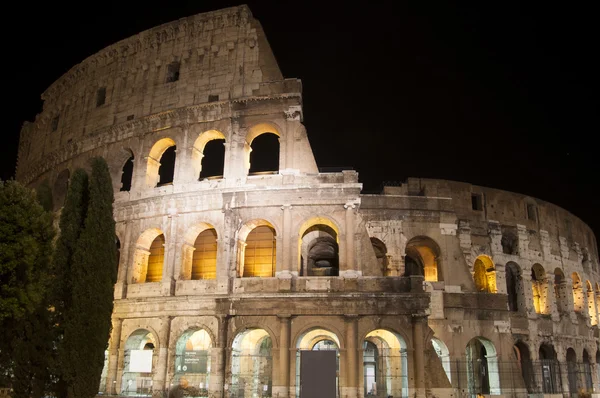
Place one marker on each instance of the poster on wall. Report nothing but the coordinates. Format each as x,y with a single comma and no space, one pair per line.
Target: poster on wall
140,361
195,362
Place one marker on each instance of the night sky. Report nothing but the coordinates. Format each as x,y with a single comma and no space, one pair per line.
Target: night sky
499,96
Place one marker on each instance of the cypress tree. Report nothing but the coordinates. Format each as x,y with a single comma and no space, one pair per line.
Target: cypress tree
26,235
93,275
71,225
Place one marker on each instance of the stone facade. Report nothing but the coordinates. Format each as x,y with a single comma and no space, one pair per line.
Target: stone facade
433,288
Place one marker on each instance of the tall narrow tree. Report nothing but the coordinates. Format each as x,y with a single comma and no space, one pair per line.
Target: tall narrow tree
71,224
94,273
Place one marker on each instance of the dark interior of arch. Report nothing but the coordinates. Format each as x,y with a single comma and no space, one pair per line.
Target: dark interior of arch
264,157
510,243
213,160
167,166
413,263
127,175
526,366
324,257
511,288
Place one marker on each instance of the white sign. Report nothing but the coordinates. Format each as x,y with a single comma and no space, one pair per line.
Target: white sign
140,361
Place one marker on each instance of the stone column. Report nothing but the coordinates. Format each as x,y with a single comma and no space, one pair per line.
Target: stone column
419,322
218,369
351,388
282,387
286,263
168,280
350,267
124,260
113,356
160,375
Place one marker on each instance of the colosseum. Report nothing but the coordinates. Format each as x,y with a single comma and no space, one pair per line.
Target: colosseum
249,272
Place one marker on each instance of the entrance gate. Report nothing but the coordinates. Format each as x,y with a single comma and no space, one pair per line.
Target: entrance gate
318,374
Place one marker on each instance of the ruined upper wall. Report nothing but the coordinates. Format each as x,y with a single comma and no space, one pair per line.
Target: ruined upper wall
217,56
509,209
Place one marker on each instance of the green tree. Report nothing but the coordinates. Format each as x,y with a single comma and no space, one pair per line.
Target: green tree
71,224
93,275
26,235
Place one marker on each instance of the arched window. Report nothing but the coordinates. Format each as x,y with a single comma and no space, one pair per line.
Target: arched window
208,155
560,291
257,250
551,381
484,275
166,171
591,303
423,258
482,367
578,300
149,257
572,374
381,254
251,364
524,360
140,360
319,253
204,261
262,149
539,287
127,174
514,287
161,163
60,188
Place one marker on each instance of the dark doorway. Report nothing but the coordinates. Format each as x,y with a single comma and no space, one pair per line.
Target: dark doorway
318,374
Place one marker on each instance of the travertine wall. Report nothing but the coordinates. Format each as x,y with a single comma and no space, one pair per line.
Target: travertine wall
225,53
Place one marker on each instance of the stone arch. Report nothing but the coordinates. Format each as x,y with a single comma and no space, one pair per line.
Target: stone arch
381,254
591,303
443,354
572,373
60,189
317,339
154,165
523,357
127,171
482,367
587,371
200,158
318,247
385,363
140,358
257,251
261,129
192,357
423,257
149,257
199,252
539,287
251,362
514,287
551,380
578,297
561,291
484,274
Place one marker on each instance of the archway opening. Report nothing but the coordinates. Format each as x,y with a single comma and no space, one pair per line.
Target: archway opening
319,251
591,303
423,258
317,339
257,250
444,355
578,300
204,260
161,163
587,371
482,367
385,365
560,291
213,161
251,364
572,371
192,360
264,155
127,173
140,360
149,257
524,360
380,250
484,275
166,171
551,381
60,188
539,287
514,287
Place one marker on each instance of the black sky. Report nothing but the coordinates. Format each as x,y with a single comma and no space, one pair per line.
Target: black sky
496,95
